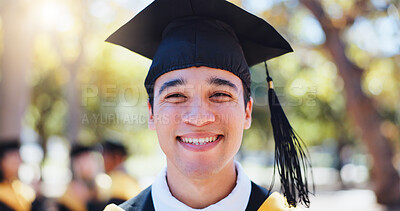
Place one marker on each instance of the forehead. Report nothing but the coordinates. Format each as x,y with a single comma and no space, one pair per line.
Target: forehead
197,75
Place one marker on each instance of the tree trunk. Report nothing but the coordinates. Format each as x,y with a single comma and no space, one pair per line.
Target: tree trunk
362,112
73,99
73,91
15,66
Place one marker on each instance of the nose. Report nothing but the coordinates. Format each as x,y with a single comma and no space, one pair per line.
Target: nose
198,114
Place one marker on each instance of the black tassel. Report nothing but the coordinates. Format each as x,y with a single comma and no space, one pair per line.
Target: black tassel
290,158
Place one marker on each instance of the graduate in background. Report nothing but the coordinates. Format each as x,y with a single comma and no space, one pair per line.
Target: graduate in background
14,195
81,193
200,103
123,185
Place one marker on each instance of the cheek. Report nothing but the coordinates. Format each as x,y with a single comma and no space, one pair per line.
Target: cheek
166,121
232,119
231,116
166,116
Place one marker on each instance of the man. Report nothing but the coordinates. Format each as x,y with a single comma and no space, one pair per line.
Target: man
81,191
14,195
123,186
199,105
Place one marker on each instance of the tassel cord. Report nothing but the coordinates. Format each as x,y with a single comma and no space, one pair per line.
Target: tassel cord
291,161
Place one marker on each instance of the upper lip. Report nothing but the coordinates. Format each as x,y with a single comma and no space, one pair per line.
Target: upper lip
199,135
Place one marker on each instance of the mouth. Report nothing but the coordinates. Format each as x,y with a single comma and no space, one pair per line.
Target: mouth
200,141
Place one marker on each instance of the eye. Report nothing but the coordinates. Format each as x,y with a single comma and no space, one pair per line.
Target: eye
219,94
175,98
220,97
174,95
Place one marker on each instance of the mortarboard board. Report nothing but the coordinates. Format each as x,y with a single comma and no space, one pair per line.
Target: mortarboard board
178,34
143,34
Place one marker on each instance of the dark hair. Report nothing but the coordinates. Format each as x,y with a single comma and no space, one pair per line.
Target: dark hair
78,149
246,93
114,147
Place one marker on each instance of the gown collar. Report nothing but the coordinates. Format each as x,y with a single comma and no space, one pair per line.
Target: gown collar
236,200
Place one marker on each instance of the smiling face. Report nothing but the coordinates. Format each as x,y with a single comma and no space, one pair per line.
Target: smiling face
199,115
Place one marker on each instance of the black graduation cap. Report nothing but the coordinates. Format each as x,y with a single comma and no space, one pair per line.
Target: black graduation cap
197,27
178,34
143,34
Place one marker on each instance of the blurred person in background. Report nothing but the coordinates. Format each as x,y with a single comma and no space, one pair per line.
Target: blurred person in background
14,195
81,192
123,186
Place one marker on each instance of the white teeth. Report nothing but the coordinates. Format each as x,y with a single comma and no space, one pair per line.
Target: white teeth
199,141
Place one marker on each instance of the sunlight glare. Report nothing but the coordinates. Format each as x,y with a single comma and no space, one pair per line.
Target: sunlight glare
56,16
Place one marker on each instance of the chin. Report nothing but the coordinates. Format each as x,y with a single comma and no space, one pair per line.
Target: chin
199,173
201,169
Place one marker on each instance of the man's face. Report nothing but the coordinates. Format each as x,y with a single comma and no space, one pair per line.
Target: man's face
86,166
10,164
112,160
199,116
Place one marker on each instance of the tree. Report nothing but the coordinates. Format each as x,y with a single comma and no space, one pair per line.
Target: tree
360,108
17,31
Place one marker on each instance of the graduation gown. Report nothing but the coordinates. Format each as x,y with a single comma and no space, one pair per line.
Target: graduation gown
259,200
16,196
123,187
70,200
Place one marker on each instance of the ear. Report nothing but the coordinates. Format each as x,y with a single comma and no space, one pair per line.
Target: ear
249,109
151,117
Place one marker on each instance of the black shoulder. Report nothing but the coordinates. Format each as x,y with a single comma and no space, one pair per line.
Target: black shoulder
257,197
141,202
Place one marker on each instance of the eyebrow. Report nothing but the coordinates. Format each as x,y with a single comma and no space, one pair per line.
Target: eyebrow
174,82
221,82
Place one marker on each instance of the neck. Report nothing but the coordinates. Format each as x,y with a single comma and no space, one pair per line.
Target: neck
201,192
